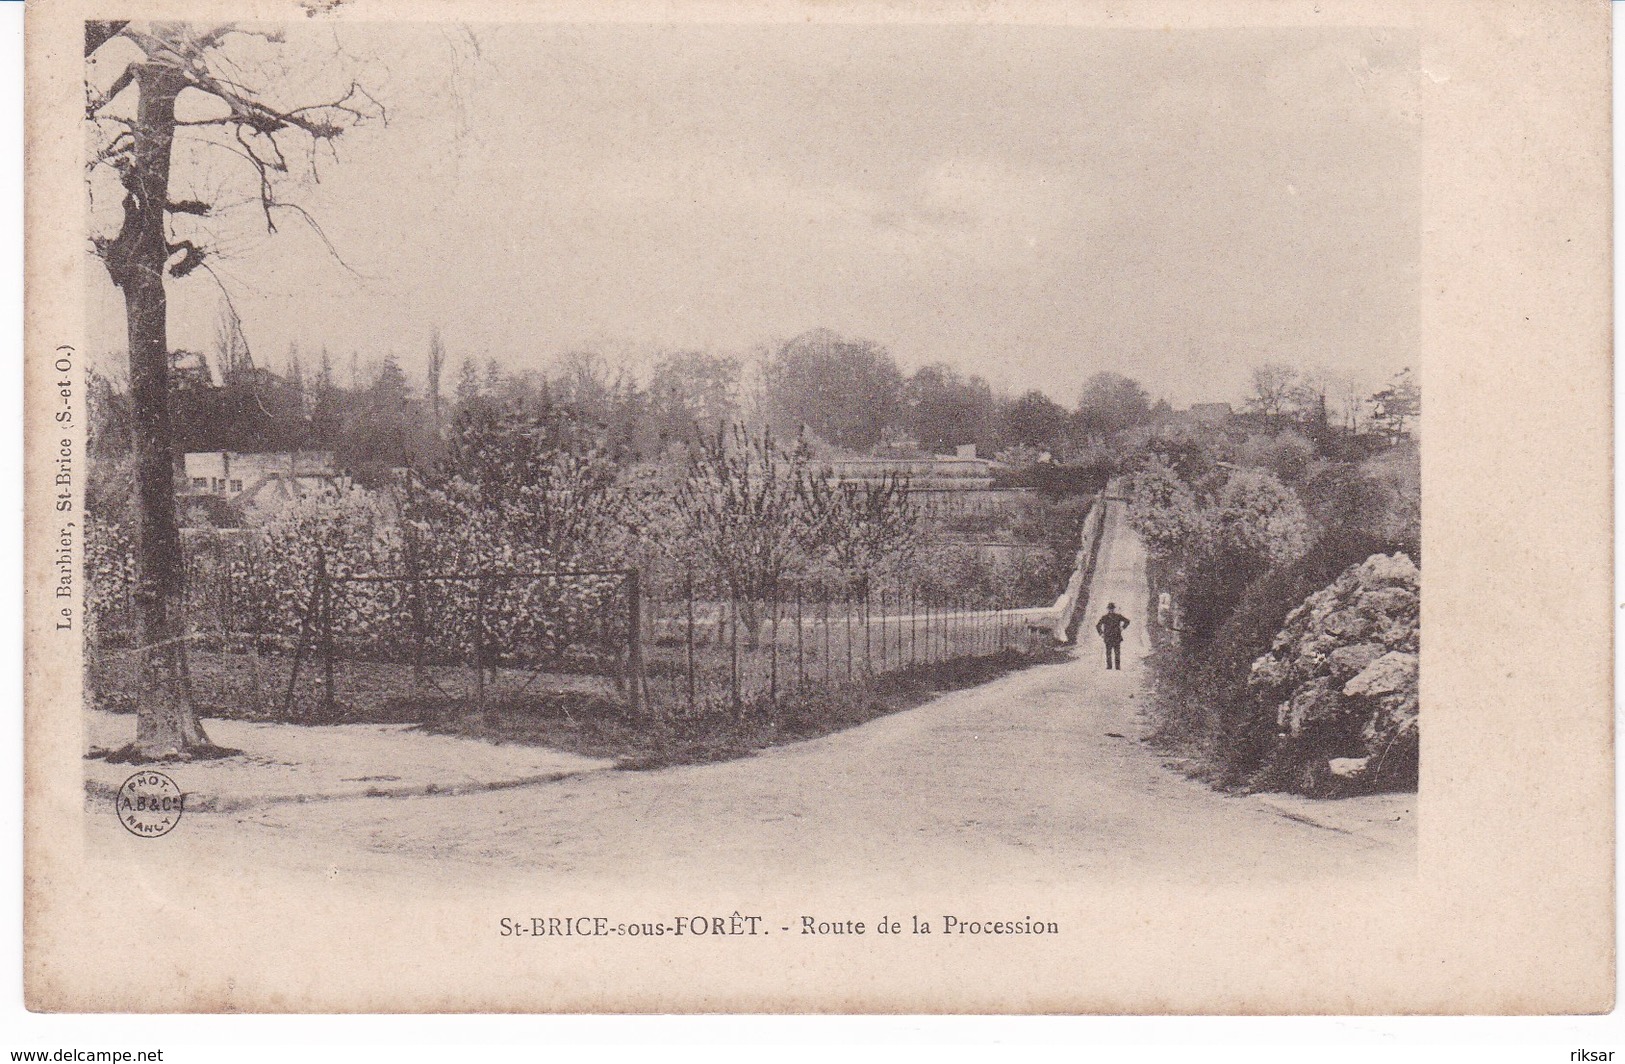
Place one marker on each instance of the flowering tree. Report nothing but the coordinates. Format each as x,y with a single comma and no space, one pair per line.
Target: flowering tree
1209,549
1257,515
865,531
519,492
745,511
1164,510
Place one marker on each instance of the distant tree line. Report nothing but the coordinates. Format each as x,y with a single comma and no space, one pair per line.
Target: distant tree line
831,393
841,393
847,394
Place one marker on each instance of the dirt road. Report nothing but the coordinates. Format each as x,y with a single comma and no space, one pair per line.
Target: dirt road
1039,776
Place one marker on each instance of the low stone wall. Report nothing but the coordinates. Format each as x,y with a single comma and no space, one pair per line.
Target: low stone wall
1074,603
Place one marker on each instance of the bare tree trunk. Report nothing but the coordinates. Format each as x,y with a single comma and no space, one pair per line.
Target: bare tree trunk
748,616
166,722
437,360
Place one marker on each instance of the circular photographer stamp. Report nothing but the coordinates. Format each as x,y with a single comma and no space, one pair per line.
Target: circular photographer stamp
149,804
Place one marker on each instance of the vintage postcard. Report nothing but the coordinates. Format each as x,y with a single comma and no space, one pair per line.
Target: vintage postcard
792,507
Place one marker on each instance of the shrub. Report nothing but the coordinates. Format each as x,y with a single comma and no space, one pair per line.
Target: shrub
1203,699
1241,548
1287,454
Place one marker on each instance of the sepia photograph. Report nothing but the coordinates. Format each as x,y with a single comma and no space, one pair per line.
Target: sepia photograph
672,508
529,416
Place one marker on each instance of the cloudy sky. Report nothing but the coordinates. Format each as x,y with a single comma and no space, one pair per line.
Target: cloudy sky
1031,204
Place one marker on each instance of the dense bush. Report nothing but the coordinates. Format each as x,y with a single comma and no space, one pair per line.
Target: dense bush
1240,550
745,522
1204,700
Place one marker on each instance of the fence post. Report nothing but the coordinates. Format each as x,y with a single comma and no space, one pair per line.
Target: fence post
846,608
634,641
801,661
885,639
479,642
897,608
943,609
733,653
327,635
928,659
828,643
773,650
939,613
305,625
417,606
223,599
868,655
913,627
936,635
688,584
227,597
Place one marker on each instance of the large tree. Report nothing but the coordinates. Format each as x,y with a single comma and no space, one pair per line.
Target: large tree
173,77
946,410
1111,403
846,392
1273,386
691,394
1034,420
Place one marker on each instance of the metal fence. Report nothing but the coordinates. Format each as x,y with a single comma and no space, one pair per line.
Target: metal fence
389,647
373,643
315,642
379,647
701,649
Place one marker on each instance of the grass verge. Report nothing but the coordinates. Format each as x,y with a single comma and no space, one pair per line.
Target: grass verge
597,726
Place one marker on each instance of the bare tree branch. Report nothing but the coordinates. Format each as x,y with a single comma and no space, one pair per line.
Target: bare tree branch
95,101
323,121
267,194
120,145
314,225
98,33
224,292
215,37
190,260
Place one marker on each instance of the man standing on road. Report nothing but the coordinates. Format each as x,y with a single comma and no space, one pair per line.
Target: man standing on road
1110,626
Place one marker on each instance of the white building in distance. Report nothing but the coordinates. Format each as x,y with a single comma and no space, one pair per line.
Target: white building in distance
259,479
